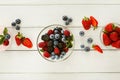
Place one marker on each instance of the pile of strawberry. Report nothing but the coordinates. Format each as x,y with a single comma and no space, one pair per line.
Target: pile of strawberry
56,43
111,35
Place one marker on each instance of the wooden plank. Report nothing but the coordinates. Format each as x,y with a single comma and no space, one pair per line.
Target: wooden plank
30,62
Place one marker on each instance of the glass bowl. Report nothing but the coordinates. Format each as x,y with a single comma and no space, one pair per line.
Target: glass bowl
4,45
114,29
52,45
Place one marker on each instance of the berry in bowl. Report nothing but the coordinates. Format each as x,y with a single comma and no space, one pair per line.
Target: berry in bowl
5,38
55,43
111,35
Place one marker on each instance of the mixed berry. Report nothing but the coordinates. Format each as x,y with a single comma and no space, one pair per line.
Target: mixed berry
55,43
111,35
4,38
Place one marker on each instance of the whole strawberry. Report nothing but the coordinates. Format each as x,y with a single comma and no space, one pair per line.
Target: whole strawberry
106,39
27,42
116,44
46,54
117,29
109,27
114,36
18,38
67,33
86,22
42,44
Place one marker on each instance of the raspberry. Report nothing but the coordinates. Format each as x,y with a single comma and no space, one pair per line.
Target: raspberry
46,54
6,43
56,51
50,32
66,33
42,44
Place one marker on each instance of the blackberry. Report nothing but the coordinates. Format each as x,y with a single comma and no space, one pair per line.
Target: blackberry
50,49
50,43
18,21
45,37
60,45
65,18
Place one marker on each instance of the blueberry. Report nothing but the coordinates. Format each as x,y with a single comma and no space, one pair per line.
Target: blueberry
13,24
52,36
70,20
53,57
82,46
64,40
62,31
52,53
63,53
55,31
18,21
17,28
61,56
67,23
63,36
55,42
65,18
89,40
7,36
81,33
87,49
57,57
57,36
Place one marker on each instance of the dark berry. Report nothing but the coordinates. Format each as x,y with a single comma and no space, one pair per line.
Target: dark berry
81,33
50,49
65,18
70,20
13,24
50,43
45,37
89,40
60,45
7,36
67,23
17,28
82,46
18,21
87,49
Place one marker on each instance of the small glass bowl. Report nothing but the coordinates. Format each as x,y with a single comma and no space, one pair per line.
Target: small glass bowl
101,36
2,47
43,32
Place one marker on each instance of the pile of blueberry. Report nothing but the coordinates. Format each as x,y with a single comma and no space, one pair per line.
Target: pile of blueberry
89,41
16,24
56,43
67,20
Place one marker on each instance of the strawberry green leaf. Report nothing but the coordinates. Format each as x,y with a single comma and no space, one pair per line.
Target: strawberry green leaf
69,44
5,31
41,50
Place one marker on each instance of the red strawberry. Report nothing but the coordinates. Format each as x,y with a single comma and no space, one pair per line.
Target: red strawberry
117,29
56,51
106,39
50,32
27,42
116,44
94,22
114,36
109,27
66,50
66,33
46,54
42,44
86,22
97,48
6,43
18,38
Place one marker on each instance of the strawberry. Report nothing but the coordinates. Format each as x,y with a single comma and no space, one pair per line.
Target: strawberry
50,32
116,44
27,42
106,39
6,43
18,38
66,33
94,22
46,54
56,51
97,48
42,44
109,27
86,22
114,36
117,29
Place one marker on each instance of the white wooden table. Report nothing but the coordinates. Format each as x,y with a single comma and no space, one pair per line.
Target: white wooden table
20,63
